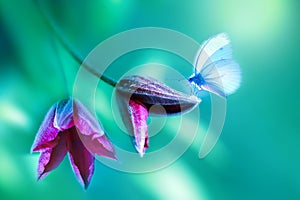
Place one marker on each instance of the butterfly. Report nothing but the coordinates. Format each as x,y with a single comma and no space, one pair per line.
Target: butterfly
215,70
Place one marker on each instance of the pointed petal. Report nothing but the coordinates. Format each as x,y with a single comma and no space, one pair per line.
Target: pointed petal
139,115
99,145
45,138
63,119
134,116
125,113
51,158
152,92
81,159
85,121
91,133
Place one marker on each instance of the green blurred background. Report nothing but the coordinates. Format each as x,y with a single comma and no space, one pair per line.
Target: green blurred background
257,156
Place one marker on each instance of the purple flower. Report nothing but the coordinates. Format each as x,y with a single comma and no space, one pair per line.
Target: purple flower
70,127
136,95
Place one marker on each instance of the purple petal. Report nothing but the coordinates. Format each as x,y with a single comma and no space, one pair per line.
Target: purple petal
51,158
63,119
91,133
123,105
81,159
45,138
152,92
99,145
139,115
85,121
134,117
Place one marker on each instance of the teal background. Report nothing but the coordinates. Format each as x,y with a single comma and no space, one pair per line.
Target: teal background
257,156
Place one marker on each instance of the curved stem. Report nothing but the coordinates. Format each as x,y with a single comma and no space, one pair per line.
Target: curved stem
73,53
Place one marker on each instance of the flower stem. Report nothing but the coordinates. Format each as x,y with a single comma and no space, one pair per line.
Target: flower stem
72,52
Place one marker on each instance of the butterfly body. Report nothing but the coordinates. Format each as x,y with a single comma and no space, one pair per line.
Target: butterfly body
197,79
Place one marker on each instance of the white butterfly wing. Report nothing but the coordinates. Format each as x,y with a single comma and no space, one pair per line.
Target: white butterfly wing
214,63
222,77
215,48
